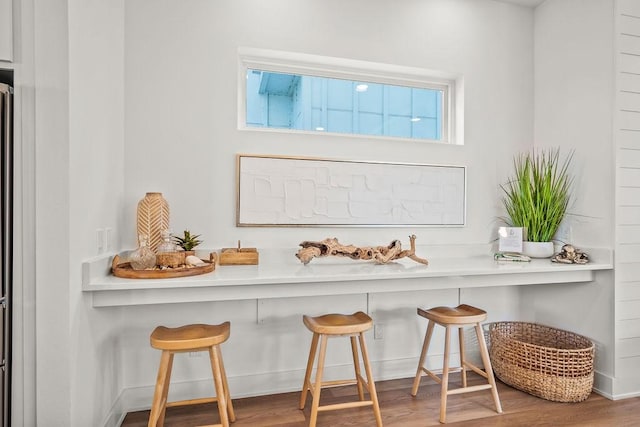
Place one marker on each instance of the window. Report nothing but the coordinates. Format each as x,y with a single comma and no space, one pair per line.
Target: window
295,92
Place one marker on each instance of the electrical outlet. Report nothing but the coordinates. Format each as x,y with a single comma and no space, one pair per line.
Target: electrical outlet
378,331
108,238
99,239
195,354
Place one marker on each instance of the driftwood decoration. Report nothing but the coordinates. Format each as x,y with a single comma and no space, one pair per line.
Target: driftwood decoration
380,254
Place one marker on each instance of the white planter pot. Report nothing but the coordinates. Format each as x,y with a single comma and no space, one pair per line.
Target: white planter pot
537,249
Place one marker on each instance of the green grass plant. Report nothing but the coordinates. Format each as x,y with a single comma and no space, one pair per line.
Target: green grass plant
536,197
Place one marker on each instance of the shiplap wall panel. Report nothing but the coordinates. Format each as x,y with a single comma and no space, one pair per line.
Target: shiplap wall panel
629,177
629,81
629,25
627,137
628,61
628,196
626,310
629,7
628,272
628,253
629,44
629,101
627,329
628,347
628,367
628,215
629,234
628,158
629,119
628,291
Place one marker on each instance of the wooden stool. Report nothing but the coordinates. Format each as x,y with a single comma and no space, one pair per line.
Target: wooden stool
186,339
332,325
459,317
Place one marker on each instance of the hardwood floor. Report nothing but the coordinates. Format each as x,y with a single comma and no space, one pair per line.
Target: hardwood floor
400,409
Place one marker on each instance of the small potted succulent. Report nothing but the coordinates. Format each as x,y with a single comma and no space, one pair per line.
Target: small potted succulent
187,242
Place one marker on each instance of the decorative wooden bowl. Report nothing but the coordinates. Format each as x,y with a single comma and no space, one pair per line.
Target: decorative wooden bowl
123,269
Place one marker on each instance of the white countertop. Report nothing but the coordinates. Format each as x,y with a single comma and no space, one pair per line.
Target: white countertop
281,274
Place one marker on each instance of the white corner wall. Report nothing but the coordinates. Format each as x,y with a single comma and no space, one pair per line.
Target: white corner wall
574,96
573,83
96,186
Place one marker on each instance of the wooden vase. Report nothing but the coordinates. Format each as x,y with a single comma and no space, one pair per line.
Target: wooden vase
153,218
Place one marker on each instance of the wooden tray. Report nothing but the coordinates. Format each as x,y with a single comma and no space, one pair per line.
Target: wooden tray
123,269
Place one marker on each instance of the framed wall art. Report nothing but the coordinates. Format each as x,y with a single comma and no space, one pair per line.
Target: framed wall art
297,191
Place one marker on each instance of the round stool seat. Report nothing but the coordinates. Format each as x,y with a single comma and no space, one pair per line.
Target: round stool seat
338,324
461,315
189,337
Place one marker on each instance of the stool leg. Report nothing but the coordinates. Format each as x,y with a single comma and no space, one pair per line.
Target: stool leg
370,381
220,392
463,372
484,353
317,388
307,376
159,405
423,356
356,365
225,384
445,376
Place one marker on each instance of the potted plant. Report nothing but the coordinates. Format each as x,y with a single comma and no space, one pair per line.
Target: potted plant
187,242
536,198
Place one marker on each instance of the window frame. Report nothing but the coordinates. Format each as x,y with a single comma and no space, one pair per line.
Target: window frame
355,70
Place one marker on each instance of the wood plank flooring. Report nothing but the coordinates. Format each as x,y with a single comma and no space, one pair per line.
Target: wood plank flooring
400,409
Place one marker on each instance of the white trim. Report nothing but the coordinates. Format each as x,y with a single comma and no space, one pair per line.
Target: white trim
133,399
325,66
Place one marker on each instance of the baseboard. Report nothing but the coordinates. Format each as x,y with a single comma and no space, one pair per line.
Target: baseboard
133,399
139,398
603,385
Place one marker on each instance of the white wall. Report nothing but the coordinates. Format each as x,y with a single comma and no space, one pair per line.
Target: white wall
573,110
52,201
96,185
181,139
573,102
181,102
152,107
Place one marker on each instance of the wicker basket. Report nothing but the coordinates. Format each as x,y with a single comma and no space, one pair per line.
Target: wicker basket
543,361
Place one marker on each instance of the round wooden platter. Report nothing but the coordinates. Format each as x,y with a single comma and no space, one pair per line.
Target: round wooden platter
123,269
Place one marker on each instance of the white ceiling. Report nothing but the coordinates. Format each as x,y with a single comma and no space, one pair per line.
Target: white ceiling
528,3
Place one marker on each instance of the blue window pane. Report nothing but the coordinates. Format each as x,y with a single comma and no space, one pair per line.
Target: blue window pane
400,126
370,124
370,100
339,121
400,101
310,103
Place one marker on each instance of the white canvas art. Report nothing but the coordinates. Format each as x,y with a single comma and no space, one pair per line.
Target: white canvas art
283,191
